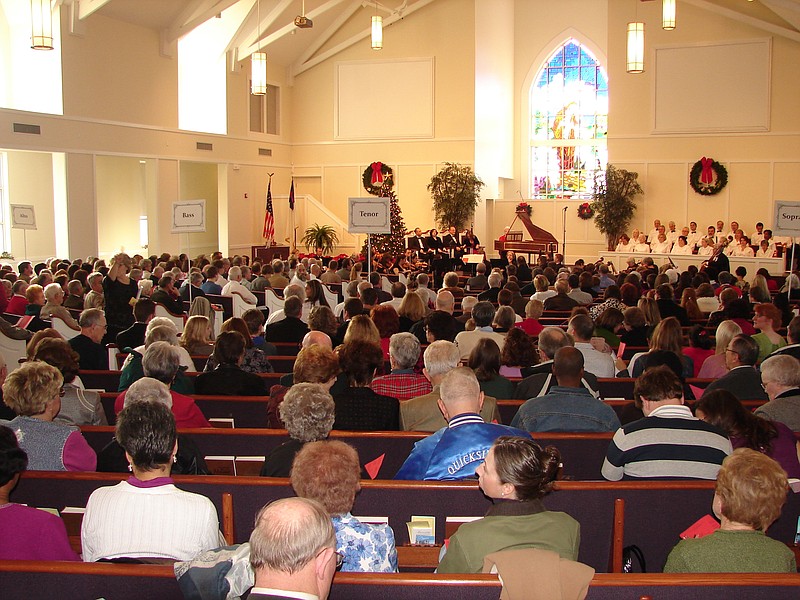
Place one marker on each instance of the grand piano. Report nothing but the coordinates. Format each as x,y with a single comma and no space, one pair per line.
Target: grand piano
541,242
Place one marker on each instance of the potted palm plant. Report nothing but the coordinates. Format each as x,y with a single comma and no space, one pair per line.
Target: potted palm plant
322,238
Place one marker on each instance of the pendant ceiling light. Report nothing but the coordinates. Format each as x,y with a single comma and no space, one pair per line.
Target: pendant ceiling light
635,55
258,63
41,25
668,14
377,30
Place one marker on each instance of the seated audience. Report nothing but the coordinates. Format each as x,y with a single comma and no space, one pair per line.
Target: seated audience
254,361
168,296
716,366
54,296
518,353
608,325
699,349
329,472
483,314
516,474
228,378
484,360
403,382
78,406
290,328
644,449
746,430
667,336
780,376
18,302
146,516
358,408
454,451
423,413
743,379
196,336
308,412
28,533
568,406
33,391
93,355
530,324
598,363
293,551
133,367
34,295
767,319
388,323
750,492
314,364
143,312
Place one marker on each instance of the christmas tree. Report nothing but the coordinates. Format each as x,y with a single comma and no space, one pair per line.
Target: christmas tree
394,242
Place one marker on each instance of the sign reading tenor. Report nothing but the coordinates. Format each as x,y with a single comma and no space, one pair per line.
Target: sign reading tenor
787,219
189,216
369,215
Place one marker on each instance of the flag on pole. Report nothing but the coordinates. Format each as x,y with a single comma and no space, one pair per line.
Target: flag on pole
291,196
269,217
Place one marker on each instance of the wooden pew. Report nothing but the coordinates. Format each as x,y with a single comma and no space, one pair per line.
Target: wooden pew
656,512
23,580
109,380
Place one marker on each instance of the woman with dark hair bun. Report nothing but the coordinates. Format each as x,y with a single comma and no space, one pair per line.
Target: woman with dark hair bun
28,533
517,473
485,361
700,347
746,430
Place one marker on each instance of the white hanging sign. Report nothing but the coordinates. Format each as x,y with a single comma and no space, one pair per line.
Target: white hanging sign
369,215
189,216
23,216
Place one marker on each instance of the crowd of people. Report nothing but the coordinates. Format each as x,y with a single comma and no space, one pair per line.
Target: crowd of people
414,358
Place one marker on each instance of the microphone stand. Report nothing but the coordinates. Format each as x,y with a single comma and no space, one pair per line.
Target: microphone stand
564,234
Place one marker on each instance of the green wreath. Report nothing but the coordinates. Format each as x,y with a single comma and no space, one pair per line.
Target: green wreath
372,183
699,177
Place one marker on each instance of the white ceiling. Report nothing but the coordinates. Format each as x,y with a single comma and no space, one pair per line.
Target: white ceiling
340,23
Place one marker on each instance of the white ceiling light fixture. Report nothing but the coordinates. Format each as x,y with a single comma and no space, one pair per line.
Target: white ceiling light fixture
41,25
668,14
258,63
377,30
635,54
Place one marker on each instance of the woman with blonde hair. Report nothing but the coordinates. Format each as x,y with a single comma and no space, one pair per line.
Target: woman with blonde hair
201,306
667,336
412,310
652,315
196,336
714,367
362,328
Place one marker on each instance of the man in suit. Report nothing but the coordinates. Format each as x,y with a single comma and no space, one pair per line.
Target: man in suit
143,311
193,285
87,344
452,243
743,380
291,328
422,413
478,282
293,550
495,284
668,307
416,241
166,295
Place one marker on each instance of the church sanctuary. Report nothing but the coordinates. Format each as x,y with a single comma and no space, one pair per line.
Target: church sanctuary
399,299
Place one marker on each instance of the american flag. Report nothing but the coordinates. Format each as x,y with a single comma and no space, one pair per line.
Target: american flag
269,217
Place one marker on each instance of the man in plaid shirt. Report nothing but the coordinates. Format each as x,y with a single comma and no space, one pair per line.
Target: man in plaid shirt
403,382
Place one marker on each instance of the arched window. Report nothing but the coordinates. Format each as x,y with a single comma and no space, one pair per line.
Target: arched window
569,122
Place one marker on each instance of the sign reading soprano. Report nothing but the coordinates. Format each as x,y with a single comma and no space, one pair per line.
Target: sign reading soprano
787,219
189,216
369,215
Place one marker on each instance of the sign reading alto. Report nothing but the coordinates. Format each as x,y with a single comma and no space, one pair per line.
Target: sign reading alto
189,216
787,219
369,215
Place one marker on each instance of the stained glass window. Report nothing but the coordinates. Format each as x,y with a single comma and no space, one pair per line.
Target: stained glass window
569,124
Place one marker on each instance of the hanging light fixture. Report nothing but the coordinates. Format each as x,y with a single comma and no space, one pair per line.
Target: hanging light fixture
635,55
41,25
377,30
668,14
258,64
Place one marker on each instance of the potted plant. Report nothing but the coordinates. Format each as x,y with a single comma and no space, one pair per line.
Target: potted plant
613,203
455,191
322,238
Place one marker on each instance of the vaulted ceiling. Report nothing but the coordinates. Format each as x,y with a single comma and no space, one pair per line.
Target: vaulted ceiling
339,24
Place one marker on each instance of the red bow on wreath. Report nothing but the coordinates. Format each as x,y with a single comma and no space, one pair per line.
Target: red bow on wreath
707,174
377,176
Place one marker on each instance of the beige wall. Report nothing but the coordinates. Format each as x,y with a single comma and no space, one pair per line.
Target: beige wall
30,182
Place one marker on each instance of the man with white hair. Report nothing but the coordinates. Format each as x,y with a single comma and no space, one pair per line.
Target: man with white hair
467,304
54,298
291,290
455,451
483,315
87,343
451,285
780,376
293,551
403,382
428,295
95,298
422,413
495,283
235,286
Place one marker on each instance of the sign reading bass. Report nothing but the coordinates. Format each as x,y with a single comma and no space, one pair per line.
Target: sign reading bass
369,215
189,216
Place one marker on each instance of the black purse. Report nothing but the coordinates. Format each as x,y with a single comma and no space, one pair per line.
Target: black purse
633,560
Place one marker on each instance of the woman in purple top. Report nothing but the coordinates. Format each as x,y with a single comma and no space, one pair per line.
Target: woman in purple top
34,391
28,533
746,430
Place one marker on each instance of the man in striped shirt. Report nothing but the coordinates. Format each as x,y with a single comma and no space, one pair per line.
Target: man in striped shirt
669,442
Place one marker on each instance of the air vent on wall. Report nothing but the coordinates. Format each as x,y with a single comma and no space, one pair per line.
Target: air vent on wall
204,146
26,128
264,152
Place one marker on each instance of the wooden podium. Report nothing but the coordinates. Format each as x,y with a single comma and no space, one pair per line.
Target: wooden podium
264,254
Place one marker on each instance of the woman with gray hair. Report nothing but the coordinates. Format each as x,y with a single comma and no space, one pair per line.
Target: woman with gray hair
54,298
133,368
188,460
308,412
186,358
160,361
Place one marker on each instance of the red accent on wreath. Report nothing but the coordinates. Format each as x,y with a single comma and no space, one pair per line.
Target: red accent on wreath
707,174
377,176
